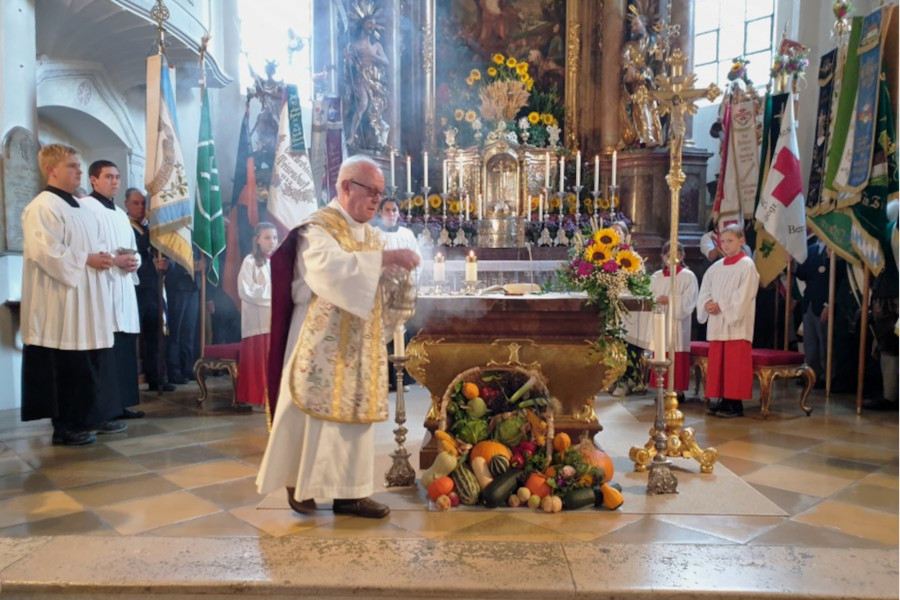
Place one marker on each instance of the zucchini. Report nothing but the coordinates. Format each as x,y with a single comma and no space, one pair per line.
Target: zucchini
498,492
580,497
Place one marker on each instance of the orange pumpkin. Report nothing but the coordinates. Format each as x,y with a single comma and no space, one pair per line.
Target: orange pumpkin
597,458
550,471
470,391
441,486
537,485
562,442
487,450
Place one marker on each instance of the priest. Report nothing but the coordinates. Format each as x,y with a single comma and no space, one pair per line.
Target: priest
104,176
67,316
328,365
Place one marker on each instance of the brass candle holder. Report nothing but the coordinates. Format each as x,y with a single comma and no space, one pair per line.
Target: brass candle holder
401,473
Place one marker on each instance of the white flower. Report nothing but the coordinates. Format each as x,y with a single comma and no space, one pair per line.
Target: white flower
476,124
524,124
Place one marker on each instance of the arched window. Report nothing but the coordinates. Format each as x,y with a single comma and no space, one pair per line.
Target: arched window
727,29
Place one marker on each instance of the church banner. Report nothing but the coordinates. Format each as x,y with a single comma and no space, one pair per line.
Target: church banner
335,146
295,116
209,221
292,195
814,199
770,257
844,113
743,157
720,211
317,151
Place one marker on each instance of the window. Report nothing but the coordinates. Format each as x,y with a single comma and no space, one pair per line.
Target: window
266,29
727,29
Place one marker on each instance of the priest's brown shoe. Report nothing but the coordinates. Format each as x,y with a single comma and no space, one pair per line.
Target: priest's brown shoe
306,507
362,507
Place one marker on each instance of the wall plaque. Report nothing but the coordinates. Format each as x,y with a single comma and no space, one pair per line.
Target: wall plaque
21,183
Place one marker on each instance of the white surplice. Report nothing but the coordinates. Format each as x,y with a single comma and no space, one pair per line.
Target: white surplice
733,286
119,234
323,459
66,305
255,290
685,302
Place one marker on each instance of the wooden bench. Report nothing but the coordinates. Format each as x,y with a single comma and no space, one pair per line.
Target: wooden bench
220,357
767,365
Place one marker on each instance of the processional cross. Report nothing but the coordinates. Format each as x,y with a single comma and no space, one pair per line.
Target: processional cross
675,96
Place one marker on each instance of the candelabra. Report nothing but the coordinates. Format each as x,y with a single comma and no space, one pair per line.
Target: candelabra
661,479
596,195
613,201
425,237
392,191
409,203
578,189
401,473
444,239
561,238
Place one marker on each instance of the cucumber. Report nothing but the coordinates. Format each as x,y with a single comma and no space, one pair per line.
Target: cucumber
499,490
580,497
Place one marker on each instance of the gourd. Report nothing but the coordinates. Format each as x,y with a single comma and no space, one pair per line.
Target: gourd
498,492
562,442
551,504
498,465
612,498
487,450
581,497
537,484
480,468
467,487
442,486
447,443
443,465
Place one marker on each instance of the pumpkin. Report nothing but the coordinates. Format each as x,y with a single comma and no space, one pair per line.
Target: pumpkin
488,449
470,391
562,442
551,504
612,498
550,471
537,485
442,486
596,458
499,465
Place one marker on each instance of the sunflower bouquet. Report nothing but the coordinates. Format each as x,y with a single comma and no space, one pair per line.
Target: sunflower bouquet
606,268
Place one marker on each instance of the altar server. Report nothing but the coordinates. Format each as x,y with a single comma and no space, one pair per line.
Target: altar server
727,304
114,221
255,291
68,372
684,303
327,360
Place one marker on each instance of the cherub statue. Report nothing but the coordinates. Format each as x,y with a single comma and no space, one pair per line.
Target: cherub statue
366,77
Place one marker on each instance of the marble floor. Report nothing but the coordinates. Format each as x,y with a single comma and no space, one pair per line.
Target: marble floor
181,480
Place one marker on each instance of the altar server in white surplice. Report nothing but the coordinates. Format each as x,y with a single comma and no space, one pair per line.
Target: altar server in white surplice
684,303
328,365
68,373
727,303
105,177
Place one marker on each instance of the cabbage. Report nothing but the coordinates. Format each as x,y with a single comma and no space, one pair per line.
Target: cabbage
509,431
472,431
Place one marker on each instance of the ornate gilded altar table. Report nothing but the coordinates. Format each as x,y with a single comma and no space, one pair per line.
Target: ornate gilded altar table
552,333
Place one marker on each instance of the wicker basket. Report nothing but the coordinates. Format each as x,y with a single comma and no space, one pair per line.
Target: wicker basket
474,375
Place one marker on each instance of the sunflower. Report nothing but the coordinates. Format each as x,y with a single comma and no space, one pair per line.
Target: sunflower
554,202
529,84
418,201
475,74
404,205
458,114
470,81
434,201
547,119
534,118
588,205
522,68
498,59
511,62
606,237
603,203
471,116
628,260
453,207
535,203
596,254
492,71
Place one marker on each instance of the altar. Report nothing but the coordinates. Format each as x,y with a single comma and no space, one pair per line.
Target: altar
552,333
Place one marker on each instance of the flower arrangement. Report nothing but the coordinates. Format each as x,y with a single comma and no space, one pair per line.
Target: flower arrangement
841,9
739,70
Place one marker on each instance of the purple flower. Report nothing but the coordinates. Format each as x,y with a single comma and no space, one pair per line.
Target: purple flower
585,268
610,266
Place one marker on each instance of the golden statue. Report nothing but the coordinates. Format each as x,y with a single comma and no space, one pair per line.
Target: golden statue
366,68
638,117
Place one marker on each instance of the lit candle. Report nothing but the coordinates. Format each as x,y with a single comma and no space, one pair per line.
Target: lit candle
399,341
408,175
614,160
547,170
425,170
562,173
439,267
659,335
471,267
596,174
444,176
393,173
578,169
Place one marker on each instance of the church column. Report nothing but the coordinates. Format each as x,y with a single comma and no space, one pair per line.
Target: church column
683,16
613,36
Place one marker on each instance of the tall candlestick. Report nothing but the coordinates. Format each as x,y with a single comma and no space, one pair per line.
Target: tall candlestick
408,175
578,169
547,170
480,206
614,160
541,208
444,177
659,333
393,172
467,207
596,175
439,267
399,341
425,169
459,170
471,267
562,173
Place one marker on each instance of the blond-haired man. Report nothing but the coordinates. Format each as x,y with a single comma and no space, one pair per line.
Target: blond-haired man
67,328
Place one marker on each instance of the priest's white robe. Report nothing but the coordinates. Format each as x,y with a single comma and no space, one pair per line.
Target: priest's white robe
685,302
323,459
66,305
733,285
119,234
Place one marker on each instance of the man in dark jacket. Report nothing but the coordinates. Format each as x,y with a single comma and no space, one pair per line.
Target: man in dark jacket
815,298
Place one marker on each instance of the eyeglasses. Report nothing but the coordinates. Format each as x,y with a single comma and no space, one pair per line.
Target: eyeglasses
371,191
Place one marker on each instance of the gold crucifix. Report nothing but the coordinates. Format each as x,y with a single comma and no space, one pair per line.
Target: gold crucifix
675,96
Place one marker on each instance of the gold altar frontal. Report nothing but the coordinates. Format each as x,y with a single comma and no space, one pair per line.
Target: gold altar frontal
553,334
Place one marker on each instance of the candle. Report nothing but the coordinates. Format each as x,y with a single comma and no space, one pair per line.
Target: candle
425,170
459,170
659,335
596,174
444,176
541,208
480,206
562,173
578,169
614,160
393,173
408,175
467,207
439,267
471,267
399,341
547,170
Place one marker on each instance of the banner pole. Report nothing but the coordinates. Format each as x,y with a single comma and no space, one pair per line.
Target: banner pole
787,307
863,335
829,348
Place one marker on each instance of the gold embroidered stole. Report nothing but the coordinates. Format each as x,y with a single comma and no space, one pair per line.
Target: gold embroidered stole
338,369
